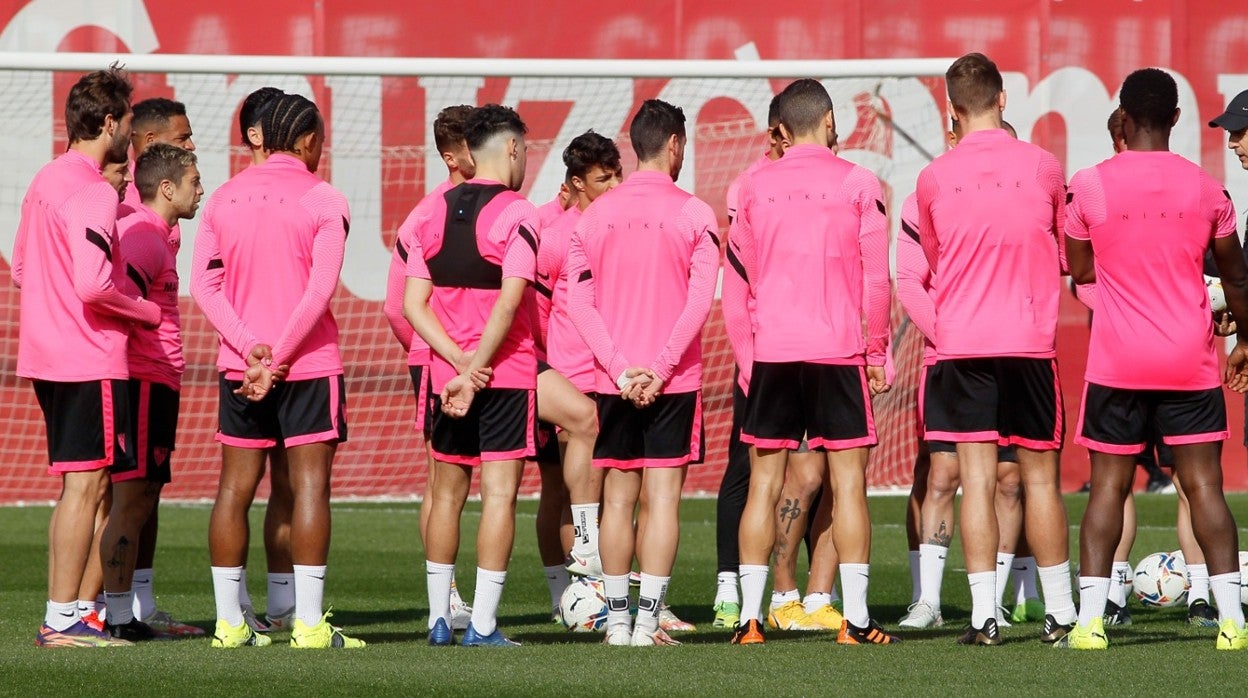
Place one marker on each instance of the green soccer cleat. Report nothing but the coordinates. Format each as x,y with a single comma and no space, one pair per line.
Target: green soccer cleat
321,636
1091,637
727,614
1029,611
1231,637
229,636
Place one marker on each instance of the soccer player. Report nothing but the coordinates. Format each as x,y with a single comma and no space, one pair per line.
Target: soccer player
989,213
810,245
266,264
448,136
72,343
471,262
158,120
168,182
1138,226
642,313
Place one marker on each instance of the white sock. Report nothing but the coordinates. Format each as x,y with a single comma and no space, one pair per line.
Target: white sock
281,600
1198,577
916,575
120,607
816,601
225,584
557,580
726,588
1226,594
100,608
983,585
144,599
753,583
854,580
244,598
456,599
1093,593
1024,579
1117,583
615,586
832,593
438,585
1005,561
653,589
1058,602
485,600
85,607
59,616
780,598
309,593
932,572
585,529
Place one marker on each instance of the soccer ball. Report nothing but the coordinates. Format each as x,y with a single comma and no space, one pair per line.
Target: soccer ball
583,605
1161,580
1243,576
1217,297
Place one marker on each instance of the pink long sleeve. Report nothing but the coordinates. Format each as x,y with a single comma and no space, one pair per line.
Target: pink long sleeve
698,217
913,281
582,303
328,248
926,190
93,256
873,242
208,288
735,304
396,286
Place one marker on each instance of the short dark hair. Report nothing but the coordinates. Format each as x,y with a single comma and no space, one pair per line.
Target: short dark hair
653,124
448,127
773,112
159,162
587,150
1115,125
803,105
253,109
1149,96
94,97
156,111
286,120
974,84
1009,128
483,123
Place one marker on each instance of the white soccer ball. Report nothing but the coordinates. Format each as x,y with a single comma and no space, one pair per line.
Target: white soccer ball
583,605
1243,576
1161,580
1217,297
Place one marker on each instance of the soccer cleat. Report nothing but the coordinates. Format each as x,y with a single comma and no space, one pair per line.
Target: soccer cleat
791,615
1080,638
461,613
1029,611
1052,630
1116,615
873,634
618,636
249,617
749,634
440,634
1231,637
826,618
988,636
1001,621
1160,485
321,636
584,565
228,636
556,615
727,613
922,614
1202,615
93,619
165,624
668,622
651,638
133,631
495,639
80,634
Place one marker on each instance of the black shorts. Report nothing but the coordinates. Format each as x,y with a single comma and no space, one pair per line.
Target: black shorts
546,442
88,424
294,413
668,433
154,413
499,426
827,405
1013,401
1005,454
1119,420
420,386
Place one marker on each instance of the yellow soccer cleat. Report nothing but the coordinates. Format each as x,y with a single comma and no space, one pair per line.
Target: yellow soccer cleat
228,636
826,618
320,636
1092,637
790,616
1231,637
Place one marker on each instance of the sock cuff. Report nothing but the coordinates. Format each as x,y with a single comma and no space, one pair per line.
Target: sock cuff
726,576
281,576
988,577
655,578
491,575
584,507
1225,577
431,566
1059,568
754,569
227,570
309,569
931,547
552,568
1005,556
1121,565
857,567
818,596
1202,566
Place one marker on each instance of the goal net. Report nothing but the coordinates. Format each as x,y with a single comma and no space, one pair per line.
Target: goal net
379,117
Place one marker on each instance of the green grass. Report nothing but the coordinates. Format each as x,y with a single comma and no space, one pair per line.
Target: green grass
376,585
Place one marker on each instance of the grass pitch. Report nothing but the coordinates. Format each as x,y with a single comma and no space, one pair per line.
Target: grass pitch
376,585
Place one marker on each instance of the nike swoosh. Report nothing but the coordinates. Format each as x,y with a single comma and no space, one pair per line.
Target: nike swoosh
69,615
1082,588
1024,568
542,276
1000,563
316,577
283,583
941,557
236,579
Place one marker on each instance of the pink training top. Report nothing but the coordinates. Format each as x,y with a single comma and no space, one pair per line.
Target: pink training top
731,198
643,265
548,212
476,235
990,213
1150,217
396,280
266,265
811,239
152,267
134,199
566,351
737,302
914,278
74,318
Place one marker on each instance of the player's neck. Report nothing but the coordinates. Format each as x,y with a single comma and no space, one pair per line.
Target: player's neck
582,202
820,140
457,177
661,165
488,170
164,209
983,121
1149,142
94,149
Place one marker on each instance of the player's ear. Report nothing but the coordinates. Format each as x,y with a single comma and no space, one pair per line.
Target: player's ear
578,184
1001,100
1175,119
167,189
449,158
254,137
513,148
786,136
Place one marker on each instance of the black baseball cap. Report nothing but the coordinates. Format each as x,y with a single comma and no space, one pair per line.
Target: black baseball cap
1236,116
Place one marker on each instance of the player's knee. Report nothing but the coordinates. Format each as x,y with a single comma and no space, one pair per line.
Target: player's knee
584,424
1010,485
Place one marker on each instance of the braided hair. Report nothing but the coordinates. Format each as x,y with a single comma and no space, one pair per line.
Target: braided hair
287,119
252,111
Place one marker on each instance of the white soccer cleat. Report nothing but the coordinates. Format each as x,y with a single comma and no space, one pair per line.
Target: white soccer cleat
651,638
280,622
1002,618
257,625
461,613
922,615
618,636
584,565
